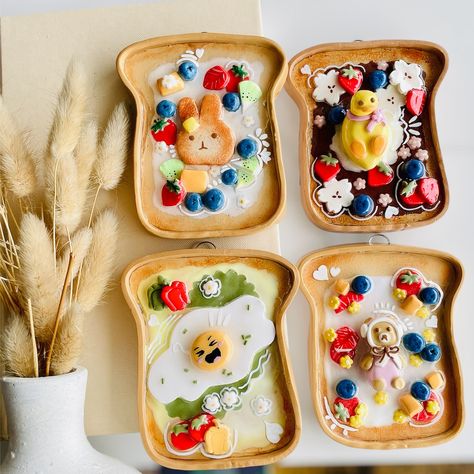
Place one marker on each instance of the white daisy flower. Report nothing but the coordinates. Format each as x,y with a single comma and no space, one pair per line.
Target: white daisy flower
327,87
384,200
230,398
210,287
336,195
248,121
359,184
261,406
211,403
406,76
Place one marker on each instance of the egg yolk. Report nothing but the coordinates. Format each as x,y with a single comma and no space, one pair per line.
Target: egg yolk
211,350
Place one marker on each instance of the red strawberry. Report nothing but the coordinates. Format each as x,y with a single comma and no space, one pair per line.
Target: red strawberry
172,193
346,300
199,425
344,409
428,189
424,416
410,281
180,437
344,344
350,79
164,130
409,195
175,296
327,167
216,78
236,75
416,101
381,175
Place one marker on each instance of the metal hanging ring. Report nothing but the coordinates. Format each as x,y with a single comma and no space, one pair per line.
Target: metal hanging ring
204,244
383,237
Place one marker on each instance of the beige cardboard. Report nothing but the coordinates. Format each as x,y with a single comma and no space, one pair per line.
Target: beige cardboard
35,51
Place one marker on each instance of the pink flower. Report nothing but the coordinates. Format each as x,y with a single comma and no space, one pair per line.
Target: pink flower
382,65
320,121
422,154
384,200
404,152
359,184
414,143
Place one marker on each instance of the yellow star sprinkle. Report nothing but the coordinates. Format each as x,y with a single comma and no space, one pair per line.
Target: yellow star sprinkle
399,294
346,362
423,312
415,360
355,421
429,335
381,397
432,407
353,308
361,410
334,302
330,335
399,416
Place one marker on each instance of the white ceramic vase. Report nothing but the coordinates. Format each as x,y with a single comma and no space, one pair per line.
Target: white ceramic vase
46,427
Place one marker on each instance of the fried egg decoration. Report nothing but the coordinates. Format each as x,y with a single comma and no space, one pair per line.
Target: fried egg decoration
210,347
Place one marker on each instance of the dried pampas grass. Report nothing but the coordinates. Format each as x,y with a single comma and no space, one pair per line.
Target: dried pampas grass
17,164
78,246
16,352
99,264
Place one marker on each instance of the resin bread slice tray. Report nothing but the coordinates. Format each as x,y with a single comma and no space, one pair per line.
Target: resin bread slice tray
369,154
207,159
383,363
215,387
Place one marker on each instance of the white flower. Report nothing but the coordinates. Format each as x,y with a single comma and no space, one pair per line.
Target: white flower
327,87
320,121
230,398
248,121
382,65
243,202
215,171
169,81
210,287
406,76
265,155
336,195
422,154
161,147
359,184
414,143
404,152
211,403
391,100
261,406
384,200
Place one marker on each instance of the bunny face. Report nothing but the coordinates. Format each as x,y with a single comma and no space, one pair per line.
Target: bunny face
212,142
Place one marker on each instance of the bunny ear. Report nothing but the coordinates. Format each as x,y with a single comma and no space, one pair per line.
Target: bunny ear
211,108
187,108
364,329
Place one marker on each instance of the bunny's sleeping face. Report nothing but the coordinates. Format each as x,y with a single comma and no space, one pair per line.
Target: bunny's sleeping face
212,142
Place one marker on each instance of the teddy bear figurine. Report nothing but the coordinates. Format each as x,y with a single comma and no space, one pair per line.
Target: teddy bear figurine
383,363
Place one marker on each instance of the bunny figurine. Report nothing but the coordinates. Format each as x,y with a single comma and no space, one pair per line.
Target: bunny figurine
205,138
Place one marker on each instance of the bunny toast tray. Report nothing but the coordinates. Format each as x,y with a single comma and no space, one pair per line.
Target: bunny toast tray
207,159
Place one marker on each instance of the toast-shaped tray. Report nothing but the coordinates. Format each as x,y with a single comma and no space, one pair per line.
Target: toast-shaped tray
383,363
215,389
207,160
370,160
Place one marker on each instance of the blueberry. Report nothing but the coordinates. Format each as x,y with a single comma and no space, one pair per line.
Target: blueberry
193,202
413,169
229,177
361,284
362,205
430,295
247,148
421,391
166,109
414,342
231,101
346,389
377,79
336,115
187,70
431,352
213,199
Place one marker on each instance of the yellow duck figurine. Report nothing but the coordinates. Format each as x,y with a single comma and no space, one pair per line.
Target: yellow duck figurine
365,135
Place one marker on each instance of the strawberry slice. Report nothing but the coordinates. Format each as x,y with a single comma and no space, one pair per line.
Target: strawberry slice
172,193
236,74
425,417
416,101
199,425
164,130
345,408
346,300
327,167
409,195
428,189
410,281
350,79
344,344
381,175
216,78
180,437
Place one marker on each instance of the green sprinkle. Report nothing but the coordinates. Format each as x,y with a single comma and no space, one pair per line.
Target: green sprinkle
184,331
248,307
195,382
245,338
229,373
162,381
186,370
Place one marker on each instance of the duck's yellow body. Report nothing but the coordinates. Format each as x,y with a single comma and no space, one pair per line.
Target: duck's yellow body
364,136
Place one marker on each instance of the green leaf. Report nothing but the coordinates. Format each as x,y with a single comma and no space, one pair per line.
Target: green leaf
342,413
154,294
159,125
385,169
174,186
329,159
409,188
239,71
233,286
350,73
179,428
198,422
410,278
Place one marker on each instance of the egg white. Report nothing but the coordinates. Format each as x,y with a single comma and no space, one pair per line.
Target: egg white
173,375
